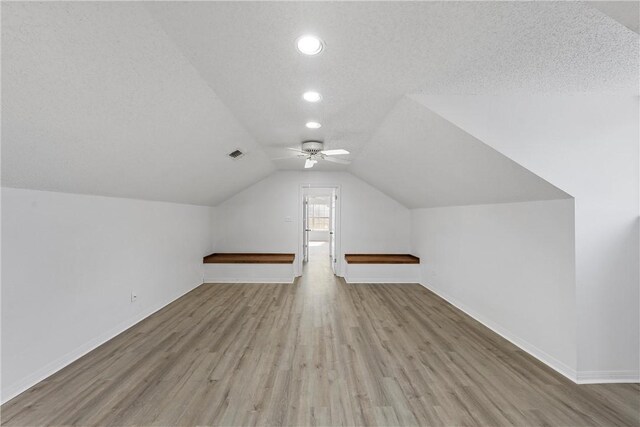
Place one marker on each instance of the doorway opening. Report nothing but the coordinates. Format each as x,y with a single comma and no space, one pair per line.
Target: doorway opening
317,229
319,237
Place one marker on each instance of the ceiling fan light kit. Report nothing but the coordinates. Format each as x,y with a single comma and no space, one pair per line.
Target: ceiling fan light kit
312,147
312,152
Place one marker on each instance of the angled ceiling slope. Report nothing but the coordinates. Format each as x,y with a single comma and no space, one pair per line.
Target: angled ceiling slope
423,161
97,100
559,137
627,12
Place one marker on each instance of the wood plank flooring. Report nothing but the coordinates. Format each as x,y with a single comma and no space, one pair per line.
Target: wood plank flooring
318,352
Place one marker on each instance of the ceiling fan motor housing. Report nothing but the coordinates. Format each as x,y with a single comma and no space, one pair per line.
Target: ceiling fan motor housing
312,147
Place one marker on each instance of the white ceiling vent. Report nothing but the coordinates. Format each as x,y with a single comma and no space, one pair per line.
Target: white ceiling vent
236,154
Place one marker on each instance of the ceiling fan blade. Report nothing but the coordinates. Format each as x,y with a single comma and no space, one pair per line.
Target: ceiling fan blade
309,163
336,152
295,149
288,157
334,160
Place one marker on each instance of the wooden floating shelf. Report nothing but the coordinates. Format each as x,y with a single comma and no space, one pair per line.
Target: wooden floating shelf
381,259
249,258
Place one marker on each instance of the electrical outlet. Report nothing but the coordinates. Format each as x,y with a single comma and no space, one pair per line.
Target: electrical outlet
134,296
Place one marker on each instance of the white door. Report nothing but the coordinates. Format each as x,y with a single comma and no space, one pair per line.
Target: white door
332,231
305,229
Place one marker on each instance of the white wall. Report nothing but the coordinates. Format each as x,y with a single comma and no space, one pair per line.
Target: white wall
249,273
214,229
382,273
511,266
69,264
587,145
255,219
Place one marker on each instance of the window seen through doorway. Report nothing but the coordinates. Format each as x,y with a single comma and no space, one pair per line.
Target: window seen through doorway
319,214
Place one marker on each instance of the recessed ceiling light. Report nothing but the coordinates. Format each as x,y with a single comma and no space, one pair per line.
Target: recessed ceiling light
309,45
313,125
312,96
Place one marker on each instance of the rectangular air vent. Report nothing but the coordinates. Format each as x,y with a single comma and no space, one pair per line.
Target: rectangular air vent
236,154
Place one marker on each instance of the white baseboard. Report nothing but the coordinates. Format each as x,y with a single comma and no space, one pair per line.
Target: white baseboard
534,351
604,377
46,371
253,280
578,377
379,280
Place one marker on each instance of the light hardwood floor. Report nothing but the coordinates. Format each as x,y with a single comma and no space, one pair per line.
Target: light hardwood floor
319,352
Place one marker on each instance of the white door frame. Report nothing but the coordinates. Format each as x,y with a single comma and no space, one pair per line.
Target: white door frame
305,228
338,231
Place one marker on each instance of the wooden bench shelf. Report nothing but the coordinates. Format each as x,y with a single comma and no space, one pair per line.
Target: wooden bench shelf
381,259
249,258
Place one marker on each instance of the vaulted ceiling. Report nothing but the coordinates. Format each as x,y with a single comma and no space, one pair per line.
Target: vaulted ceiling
145,99
426,161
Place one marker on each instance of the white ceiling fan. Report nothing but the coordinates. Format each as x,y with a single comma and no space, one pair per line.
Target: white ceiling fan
312,152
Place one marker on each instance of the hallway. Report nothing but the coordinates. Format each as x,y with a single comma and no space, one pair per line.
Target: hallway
318,352
319,253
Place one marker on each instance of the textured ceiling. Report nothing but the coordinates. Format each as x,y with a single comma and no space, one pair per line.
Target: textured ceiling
97,100
376,52
145,99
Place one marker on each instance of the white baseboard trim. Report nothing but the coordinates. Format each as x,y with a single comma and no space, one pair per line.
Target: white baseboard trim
380,280
608,377
539,354
253,280
46,371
